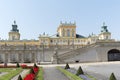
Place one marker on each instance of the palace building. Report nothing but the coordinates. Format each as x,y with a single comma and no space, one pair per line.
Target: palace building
49,48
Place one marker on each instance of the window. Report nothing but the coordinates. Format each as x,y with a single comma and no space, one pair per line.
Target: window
72,33
63,33
68,33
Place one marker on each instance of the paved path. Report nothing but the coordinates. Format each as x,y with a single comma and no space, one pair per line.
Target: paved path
22,74
102,71
3,73
51,73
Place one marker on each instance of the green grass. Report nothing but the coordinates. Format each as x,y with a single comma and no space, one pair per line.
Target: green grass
91,77
11,73
69,75
40,74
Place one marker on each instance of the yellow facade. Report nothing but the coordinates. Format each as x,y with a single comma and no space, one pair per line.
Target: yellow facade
66,36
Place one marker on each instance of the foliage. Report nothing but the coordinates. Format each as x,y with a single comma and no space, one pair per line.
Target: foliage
32,71
32,74
79,71
40,74
17,65
11,73
35,65
69,75
67,66
24,66
112,77
19,77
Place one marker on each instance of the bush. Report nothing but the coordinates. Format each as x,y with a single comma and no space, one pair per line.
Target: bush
112,77
32,71
19,77
67,66
35,65
17,65
79,71
24,66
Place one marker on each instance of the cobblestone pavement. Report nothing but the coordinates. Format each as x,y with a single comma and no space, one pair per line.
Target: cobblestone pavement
51,73
22,74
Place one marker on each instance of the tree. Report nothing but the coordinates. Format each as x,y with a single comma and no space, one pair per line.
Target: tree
19,77
79,71
67,66
17,65
112,77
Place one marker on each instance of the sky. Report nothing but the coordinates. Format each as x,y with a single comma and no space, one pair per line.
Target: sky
35,17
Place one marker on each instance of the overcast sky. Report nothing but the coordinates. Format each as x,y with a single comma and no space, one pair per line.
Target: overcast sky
35,17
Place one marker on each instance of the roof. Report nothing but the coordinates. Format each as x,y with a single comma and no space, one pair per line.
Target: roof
79,36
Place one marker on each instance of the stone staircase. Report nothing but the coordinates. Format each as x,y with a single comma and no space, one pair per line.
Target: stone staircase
75,52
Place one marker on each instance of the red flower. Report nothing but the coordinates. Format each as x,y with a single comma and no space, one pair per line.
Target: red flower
30,76
35,69
23,65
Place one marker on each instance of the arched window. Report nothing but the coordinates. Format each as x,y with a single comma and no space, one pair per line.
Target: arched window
68,33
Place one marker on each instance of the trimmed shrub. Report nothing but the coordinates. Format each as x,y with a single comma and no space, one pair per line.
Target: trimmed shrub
79,71
67,66
35,65
32,71
17,65
19,77
112,77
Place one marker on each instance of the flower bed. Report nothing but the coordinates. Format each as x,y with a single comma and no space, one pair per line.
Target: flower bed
32,74
6,66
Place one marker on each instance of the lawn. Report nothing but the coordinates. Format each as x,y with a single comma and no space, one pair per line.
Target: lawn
11,73
40,74
69,75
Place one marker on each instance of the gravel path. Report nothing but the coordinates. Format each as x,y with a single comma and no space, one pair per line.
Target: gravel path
51,73
22,74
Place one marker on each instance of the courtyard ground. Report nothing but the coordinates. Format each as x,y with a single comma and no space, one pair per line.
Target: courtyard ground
51,73
99,70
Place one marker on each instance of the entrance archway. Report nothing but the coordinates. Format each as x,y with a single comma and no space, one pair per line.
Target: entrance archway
114,55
